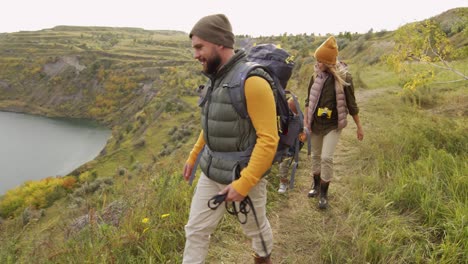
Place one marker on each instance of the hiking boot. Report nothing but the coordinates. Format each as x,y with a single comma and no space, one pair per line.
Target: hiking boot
316,187
323,201
262,260
282,188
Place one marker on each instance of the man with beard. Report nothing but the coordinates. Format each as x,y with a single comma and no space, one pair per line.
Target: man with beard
229,144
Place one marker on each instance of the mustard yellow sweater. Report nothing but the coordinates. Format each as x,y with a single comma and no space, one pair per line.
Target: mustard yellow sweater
262,111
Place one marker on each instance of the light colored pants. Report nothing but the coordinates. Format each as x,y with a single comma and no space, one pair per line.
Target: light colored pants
323,149
203,220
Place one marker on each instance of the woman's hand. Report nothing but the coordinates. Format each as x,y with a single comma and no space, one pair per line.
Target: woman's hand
360,133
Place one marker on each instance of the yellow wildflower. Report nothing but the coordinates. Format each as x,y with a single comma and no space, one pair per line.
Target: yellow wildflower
165,215
145,220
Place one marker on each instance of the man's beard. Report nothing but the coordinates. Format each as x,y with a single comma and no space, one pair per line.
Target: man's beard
213,64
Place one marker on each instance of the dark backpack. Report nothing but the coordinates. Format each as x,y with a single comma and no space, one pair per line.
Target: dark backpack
278,64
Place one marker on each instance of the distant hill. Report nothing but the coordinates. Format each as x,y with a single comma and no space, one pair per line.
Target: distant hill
85,71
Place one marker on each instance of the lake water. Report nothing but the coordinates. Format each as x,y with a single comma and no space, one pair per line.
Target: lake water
34,147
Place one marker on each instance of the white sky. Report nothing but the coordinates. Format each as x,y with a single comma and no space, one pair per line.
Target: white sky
251,17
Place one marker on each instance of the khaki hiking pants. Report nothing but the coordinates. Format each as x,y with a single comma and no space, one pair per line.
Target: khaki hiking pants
323,149
203,220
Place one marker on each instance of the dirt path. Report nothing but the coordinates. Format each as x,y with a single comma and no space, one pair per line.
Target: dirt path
300,229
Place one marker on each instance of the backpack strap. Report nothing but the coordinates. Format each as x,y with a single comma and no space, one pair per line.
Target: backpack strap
293,173
237,95
237,91
298,108
297,144
194,169
301,119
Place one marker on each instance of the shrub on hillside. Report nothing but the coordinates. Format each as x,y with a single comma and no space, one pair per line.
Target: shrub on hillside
422,97
121,171
88,188
87,176
35,194
141,142
31,214
141,117
92,187
165,151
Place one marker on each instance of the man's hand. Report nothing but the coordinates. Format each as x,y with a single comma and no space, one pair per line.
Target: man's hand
188,168
232,195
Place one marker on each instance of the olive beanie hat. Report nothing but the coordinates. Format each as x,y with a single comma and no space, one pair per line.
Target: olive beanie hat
215,29
327,52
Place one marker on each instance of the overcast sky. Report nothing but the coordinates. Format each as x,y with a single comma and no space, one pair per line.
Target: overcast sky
251,17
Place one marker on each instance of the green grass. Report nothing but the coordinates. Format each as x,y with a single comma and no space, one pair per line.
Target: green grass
159,195
414,196
375,76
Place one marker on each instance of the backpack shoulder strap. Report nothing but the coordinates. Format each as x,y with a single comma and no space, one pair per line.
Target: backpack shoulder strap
237,91
300,114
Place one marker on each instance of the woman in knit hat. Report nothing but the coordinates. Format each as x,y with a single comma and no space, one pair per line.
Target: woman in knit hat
330,99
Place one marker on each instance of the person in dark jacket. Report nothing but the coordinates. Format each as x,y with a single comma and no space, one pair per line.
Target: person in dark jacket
284,168
330,99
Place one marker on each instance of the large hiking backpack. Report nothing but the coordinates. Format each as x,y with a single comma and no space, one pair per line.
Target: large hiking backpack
279,65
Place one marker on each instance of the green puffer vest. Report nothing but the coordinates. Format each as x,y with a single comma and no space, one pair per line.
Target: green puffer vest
229,138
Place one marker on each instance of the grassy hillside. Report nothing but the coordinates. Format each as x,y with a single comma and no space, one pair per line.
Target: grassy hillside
400,197
91,72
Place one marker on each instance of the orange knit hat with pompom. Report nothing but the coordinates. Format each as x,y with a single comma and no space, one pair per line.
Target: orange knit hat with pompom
327,52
